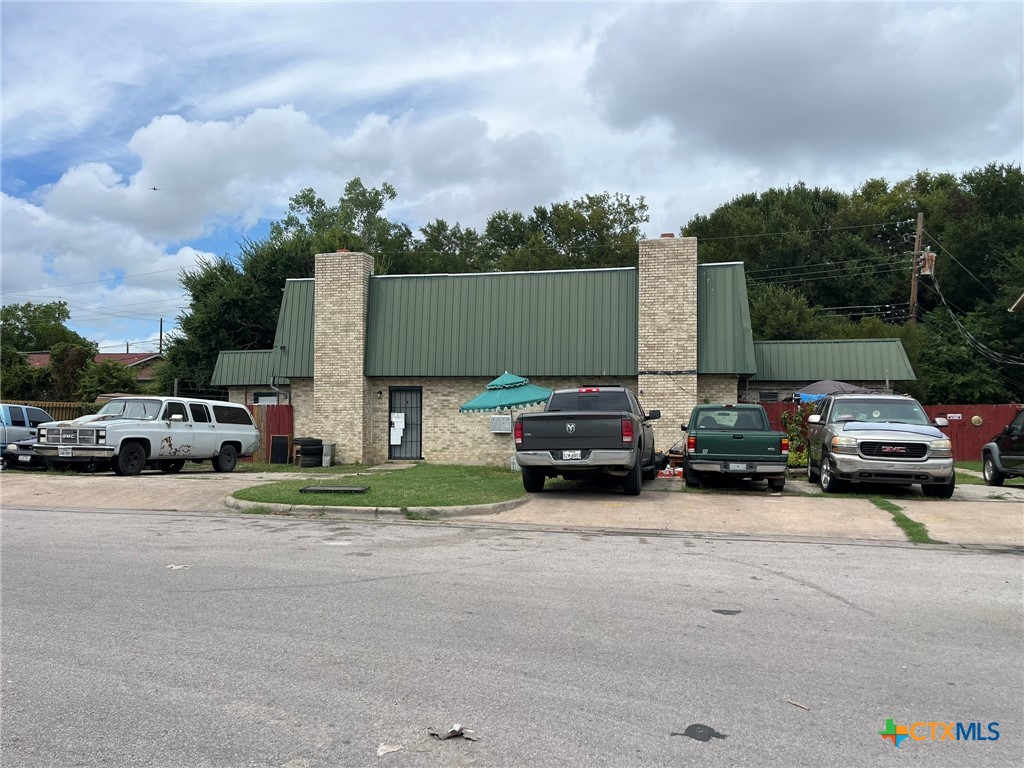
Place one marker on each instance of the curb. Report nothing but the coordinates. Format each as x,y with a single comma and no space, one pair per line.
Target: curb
302,510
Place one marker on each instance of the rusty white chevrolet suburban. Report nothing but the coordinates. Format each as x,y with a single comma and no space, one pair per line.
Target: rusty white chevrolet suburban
131,433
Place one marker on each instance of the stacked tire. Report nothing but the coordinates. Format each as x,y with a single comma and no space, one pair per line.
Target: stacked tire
311,451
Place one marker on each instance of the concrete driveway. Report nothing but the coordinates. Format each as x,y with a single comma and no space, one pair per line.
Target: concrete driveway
750,510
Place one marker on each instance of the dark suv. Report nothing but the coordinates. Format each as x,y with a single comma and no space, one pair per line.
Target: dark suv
1003,456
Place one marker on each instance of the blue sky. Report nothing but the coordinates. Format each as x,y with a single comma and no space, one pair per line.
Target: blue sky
466,108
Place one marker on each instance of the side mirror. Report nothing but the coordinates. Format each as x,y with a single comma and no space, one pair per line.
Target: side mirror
814,418
653,415
684,427
941,421
176,417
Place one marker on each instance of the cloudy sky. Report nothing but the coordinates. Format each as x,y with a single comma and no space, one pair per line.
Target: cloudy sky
466,108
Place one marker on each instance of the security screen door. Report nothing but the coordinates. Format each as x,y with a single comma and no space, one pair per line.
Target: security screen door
405,431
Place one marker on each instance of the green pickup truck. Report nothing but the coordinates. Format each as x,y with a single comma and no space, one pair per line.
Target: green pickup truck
734,441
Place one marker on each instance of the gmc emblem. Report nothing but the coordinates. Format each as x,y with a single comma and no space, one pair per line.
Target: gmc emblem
894,449
570,428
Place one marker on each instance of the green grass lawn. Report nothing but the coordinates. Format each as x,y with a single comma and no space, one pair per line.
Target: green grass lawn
424,485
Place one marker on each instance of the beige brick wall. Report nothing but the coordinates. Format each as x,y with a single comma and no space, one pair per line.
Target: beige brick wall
246,395
304,423
450,437
341,403
667,332
717,389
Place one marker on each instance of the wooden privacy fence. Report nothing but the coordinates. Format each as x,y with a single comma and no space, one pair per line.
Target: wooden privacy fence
970,426
272,421
59,410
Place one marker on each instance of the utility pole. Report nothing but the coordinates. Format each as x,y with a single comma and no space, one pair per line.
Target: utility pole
161,335
126,350
916,268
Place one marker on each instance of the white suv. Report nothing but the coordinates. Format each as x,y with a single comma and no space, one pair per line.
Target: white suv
131,433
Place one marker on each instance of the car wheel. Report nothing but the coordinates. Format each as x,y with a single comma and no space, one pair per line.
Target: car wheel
131,460
171,467
633,483
941,491
828,482
226,460
691,478
533,479
992,475
776,486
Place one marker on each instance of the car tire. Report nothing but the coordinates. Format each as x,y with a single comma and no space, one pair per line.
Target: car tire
226,460
944,491
992,475
310,461
691,478
533,479
651,472
828,482
776,486
171,467
634,481
131,459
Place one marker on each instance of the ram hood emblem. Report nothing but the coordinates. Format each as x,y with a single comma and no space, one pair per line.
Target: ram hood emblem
570,428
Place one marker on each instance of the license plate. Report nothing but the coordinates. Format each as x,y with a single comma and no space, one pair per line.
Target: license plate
572,455
24,458
64,452
737,467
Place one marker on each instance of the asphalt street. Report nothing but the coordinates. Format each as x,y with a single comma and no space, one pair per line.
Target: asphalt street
162,639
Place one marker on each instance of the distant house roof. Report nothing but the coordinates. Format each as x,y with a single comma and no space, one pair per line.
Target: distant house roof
143,362
242,368
852,360
725,342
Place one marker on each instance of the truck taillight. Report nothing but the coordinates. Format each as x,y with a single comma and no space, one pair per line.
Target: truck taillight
691,444
519,433
589,389
627,431
785,446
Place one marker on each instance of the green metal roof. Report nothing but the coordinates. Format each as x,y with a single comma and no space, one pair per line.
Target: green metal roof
556,323
242,368
725,341
842,359
293,342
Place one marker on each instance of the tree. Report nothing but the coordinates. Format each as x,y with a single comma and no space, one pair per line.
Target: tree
38,327
107,377
67,364
18,379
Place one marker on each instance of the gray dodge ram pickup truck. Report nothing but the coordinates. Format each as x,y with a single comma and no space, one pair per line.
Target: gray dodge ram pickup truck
587,431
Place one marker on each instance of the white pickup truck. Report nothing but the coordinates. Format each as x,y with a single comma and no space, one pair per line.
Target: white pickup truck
131,433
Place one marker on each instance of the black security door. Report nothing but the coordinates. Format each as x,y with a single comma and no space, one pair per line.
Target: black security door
405,433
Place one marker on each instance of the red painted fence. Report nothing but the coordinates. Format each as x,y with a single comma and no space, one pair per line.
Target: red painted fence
271,420
970,426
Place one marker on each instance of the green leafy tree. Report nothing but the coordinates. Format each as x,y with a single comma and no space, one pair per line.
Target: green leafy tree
38,327
107,377
68,362
19,380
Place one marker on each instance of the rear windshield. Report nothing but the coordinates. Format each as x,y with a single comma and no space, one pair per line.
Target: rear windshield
730,418
613,400
878,411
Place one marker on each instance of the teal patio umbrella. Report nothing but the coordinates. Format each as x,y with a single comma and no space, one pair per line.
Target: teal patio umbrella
505,393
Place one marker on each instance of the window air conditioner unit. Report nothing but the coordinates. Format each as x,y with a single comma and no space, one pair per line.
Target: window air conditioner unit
501,425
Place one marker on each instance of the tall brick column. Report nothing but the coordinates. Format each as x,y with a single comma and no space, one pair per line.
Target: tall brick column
341,394
667,333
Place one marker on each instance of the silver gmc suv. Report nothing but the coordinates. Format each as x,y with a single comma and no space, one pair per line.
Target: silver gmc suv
878,439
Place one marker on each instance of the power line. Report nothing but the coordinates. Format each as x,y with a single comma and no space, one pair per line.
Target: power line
877,259
954,258
96,282
840,273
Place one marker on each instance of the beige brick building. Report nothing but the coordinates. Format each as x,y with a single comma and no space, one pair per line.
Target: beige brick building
379,365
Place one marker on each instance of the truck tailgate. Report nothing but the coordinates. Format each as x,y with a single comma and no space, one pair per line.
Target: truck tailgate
558,431
738,446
